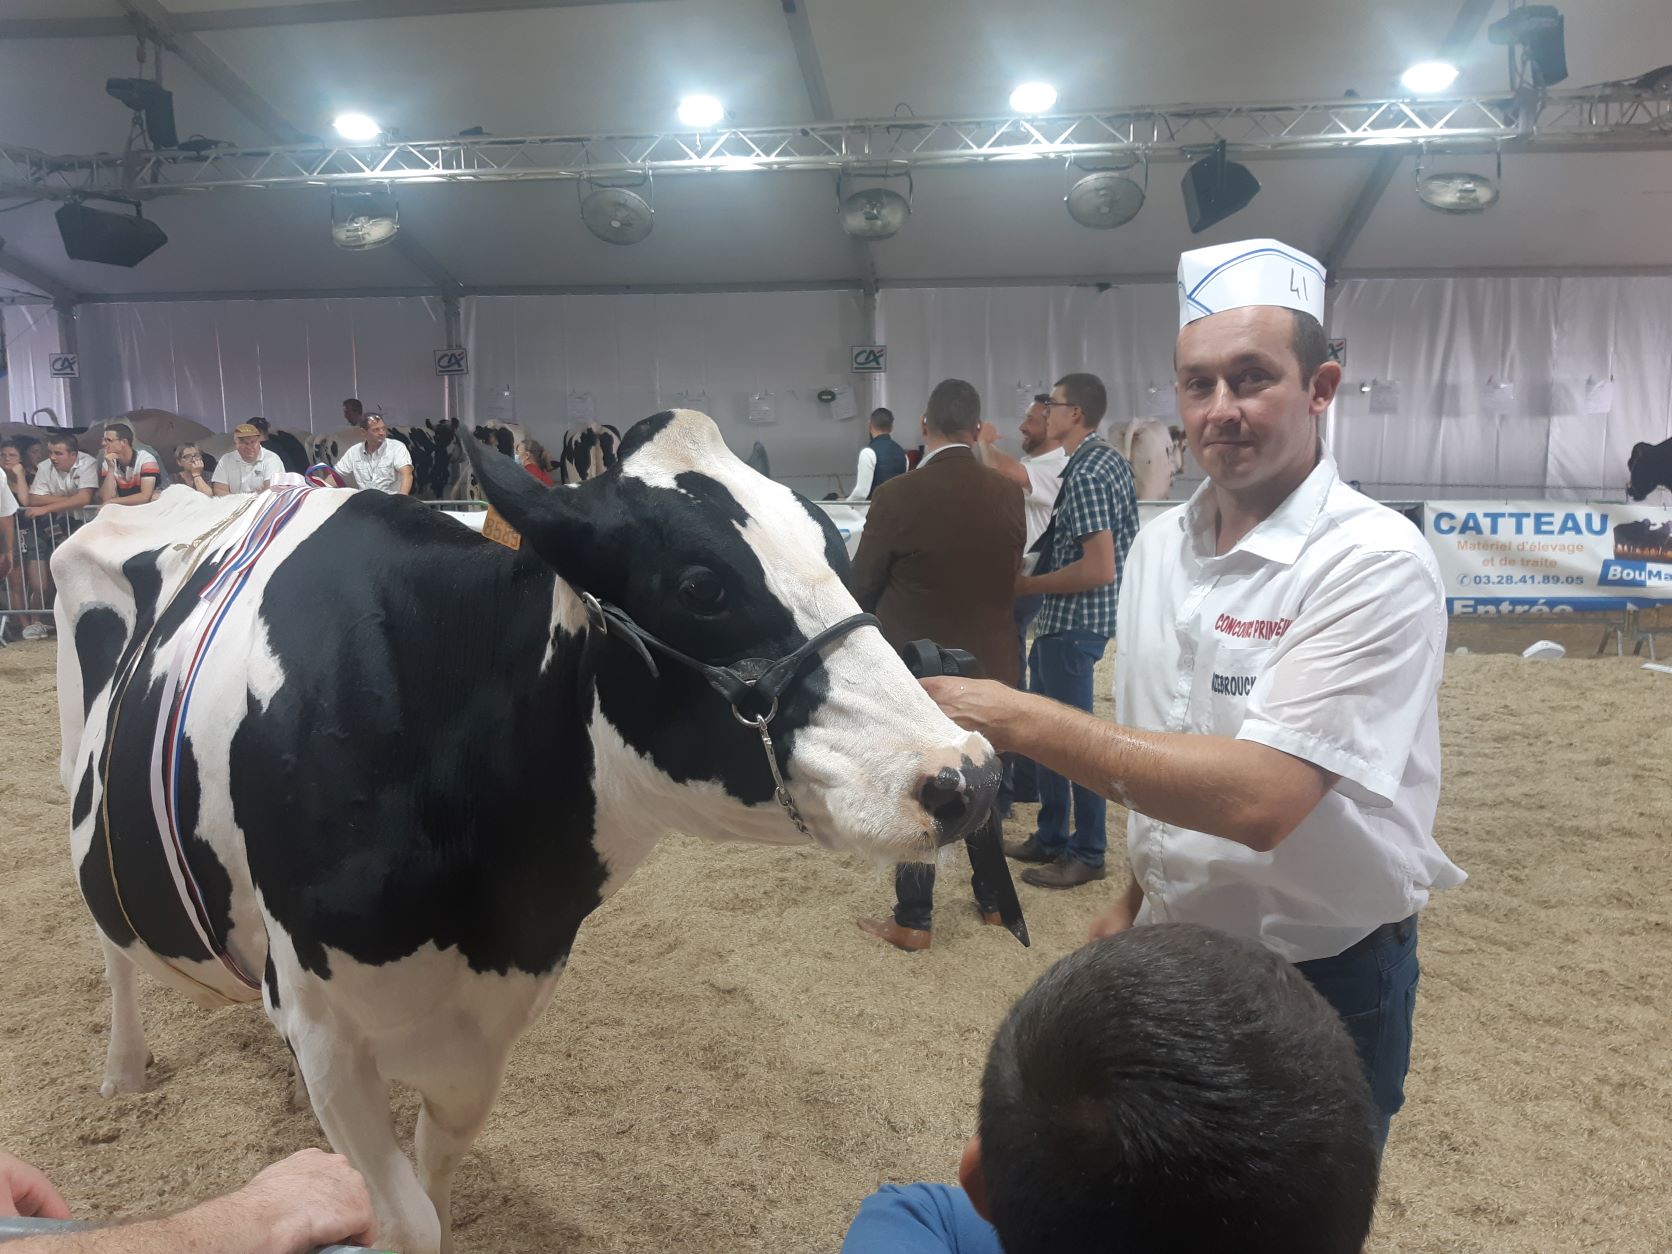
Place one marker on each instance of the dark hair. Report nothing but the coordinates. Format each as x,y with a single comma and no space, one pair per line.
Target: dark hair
882,419
355,405
1086,391
1173,1089
377,417
66,439
954,408
262,425
1310,343
123,432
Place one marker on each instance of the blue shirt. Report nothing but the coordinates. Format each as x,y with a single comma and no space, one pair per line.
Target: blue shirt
920,1219
1098,494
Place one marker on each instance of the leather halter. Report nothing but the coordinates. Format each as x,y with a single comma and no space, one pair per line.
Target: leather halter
751,687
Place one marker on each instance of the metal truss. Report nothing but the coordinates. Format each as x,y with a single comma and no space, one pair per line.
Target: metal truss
1609,119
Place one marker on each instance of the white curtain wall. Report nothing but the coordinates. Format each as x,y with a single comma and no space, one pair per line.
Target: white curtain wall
1515,386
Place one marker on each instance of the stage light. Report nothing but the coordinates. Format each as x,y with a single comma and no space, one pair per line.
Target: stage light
364,219
357,128
1427,77
154,105
1215,188
1539,31
701,111
1033,98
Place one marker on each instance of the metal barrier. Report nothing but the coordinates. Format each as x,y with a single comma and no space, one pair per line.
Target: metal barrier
26,588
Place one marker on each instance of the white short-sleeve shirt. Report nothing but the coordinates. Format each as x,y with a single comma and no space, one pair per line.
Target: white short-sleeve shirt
1321,633
241,476
50,481
380,470
8,501
1044,483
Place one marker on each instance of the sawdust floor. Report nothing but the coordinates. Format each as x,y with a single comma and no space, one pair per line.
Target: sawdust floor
729,1065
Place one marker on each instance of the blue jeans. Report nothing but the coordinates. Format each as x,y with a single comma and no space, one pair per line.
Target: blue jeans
1017,782
1373,987
1062,670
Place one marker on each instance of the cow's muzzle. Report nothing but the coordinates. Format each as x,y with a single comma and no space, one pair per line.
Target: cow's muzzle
960,799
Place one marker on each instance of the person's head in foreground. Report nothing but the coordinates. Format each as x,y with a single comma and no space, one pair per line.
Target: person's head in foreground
1253,367
1174,1089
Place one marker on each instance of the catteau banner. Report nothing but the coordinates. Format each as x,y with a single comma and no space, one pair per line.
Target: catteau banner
1549,557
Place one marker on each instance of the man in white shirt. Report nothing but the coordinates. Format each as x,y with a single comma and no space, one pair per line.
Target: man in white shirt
1276,692
880,460
250,468
64,486
1039,474
379,462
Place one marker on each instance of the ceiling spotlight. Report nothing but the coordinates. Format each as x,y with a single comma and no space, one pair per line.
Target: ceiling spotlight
1104,199
357,128
1033,98
1215,188
615,214
364,219
1427,77
701,111
1458,191
873,212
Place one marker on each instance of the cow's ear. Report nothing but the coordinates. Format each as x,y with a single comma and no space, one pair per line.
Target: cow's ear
554,520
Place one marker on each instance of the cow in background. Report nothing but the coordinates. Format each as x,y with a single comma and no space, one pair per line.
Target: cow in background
589,451
1648,468
1156,453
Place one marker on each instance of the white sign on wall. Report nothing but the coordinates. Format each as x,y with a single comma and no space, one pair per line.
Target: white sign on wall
451,361
1549,557
64,365
868,358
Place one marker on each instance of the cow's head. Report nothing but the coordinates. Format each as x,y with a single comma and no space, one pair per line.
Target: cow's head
724,565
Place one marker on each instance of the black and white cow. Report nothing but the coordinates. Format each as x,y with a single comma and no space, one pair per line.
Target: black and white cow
1649,467
354,753
589,451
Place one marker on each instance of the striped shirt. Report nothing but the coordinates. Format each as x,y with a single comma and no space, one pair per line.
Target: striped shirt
1097,495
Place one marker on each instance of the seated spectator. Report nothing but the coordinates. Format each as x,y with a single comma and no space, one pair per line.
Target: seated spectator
190,466
250,467
309,1199
128,476
532,455
63,488
1168,1090
378,462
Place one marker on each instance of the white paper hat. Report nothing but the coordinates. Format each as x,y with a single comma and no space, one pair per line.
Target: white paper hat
1251,272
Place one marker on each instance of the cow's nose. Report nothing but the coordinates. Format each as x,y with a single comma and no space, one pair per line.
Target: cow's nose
960,800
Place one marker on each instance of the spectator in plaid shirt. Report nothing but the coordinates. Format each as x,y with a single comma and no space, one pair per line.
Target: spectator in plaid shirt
1084,550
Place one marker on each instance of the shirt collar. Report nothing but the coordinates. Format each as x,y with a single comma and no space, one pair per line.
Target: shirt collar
930,456
1089,442
1281,536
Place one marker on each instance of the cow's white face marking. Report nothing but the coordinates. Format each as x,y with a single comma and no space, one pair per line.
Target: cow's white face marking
857,767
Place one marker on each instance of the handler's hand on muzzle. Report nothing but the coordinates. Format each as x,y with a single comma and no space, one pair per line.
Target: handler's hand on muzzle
979,705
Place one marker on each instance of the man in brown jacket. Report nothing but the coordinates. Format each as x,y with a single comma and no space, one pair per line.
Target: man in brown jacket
938,561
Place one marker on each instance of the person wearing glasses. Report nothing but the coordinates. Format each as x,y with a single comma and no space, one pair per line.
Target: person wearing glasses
1078,574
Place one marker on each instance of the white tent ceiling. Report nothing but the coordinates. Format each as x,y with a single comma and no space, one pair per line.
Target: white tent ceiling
621,66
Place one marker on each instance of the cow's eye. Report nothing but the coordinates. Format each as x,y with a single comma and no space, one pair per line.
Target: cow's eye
702,591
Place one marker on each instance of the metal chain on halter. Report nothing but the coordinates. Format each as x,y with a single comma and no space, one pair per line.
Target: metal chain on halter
759,723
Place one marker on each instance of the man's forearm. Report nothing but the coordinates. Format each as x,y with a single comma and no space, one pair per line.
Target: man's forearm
222,1225
1005,464
1235,789
1077,576
60,504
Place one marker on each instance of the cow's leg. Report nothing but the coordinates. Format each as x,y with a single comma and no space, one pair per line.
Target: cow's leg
349,1098
127,1056
454,1110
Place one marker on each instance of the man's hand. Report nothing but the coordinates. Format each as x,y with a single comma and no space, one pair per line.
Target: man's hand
987,433
979,705
36,511
1113,921
25,1191
311,1198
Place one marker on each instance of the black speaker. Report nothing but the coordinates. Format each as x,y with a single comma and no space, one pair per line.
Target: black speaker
143,96
1215,188
116,239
